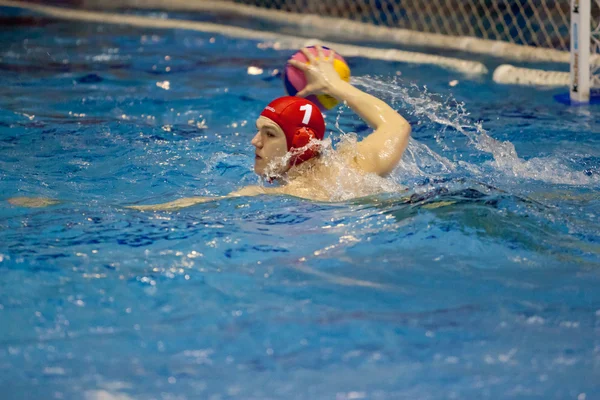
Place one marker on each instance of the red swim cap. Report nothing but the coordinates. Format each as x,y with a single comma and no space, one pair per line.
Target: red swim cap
300,120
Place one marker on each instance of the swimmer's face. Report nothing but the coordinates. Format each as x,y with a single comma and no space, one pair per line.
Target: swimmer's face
270,144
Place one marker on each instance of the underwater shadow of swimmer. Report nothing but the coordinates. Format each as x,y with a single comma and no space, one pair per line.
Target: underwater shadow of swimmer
490,213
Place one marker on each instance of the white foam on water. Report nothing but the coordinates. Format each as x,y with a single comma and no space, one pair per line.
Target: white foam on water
450,124
347,182
449,116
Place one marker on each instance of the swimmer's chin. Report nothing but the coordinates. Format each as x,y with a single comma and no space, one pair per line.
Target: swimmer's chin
269,175
262,171
270,169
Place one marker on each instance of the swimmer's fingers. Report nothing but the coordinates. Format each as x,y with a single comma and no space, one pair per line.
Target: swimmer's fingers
308,54
300,65
320,53
309,89
304,92
332,55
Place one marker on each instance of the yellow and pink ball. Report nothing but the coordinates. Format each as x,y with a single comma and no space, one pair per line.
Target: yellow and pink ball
294,79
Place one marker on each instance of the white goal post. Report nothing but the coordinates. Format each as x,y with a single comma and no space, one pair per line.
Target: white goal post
581,44
521,31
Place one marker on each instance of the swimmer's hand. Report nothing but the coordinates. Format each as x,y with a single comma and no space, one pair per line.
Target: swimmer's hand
321,77
32,202
381,151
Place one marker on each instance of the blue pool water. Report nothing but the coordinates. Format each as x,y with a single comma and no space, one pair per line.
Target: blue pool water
479,281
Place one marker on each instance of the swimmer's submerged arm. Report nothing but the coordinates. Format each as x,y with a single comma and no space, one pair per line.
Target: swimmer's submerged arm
32,202
191,201
379,152
37,202
175,204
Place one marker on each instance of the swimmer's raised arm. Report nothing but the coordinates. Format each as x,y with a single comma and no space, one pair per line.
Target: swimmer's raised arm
379,152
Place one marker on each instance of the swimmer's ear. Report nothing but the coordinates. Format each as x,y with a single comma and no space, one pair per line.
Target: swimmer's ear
302,137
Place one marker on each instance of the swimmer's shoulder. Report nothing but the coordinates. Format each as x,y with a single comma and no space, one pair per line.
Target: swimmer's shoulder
311,185
347,153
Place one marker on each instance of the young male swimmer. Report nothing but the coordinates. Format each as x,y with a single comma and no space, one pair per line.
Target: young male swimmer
287,125
285,151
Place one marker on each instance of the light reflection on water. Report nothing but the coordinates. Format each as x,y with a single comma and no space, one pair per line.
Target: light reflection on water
479,279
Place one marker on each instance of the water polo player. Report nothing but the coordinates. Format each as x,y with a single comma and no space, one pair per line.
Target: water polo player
287,148
290,128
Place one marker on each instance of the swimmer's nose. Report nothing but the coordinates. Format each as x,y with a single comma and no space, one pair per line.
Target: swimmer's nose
256,142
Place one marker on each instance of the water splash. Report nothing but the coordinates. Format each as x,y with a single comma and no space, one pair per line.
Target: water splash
331,177
448,117
449,123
